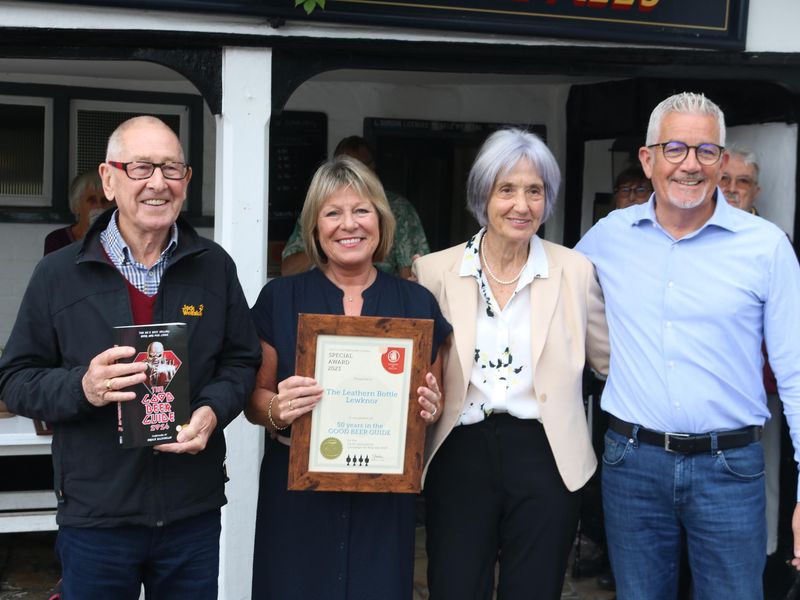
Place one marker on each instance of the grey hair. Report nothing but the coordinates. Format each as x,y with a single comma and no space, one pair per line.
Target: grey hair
115,145
86,181
686,103
499,154
748,157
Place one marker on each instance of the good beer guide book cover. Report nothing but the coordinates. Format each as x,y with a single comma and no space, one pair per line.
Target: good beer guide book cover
161,406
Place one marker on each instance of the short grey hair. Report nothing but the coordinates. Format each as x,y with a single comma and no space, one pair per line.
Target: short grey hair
114,148
686,103
86,181
748,157
499,154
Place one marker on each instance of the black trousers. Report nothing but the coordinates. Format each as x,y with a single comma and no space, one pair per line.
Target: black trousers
493,494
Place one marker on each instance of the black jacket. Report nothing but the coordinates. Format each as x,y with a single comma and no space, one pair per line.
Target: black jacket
74,299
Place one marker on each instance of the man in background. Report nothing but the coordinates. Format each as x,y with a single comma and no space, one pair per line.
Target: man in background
631,187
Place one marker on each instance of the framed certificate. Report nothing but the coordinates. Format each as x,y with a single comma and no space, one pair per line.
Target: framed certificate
365,434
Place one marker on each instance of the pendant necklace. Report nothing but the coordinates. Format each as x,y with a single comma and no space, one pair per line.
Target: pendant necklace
350,298
489,269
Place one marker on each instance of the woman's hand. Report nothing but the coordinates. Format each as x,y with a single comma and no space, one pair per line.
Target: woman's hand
296,396
431,400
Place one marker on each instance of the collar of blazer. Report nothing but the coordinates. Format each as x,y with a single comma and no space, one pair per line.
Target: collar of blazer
461,297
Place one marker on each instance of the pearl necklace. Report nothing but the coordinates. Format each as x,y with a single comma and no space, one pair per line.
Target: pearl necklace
489,269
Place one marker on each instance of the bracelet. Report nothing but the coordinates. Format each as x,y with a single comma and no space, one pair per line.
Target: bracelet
269,415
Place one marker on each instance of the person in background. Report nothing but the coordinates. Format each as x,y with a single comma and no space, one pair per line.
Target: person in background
631,187
506,462
86,201
134,516
409,238
333,545
739,183
703,285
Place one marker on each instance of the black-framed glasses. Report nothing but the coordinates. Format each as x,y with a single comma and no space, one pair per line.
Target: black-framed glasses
144,170
640,190
676,152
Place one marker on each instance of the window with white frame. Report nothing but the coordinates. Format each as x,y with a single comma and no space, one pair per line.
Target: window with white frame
26,151
93,121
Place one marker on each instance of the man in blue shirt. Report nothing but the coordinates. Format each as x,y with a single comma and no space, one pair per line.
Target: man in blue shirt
692,286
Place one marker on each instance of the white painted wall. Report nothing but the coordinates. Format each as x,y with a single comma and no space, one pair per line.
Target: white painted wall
772,26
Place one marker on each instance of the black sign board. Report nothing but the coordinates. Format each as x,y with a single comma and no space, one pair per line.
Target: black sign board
699,23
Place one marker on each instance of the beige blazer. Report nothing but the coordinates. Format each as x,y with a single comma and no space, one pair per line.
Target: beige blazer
568,326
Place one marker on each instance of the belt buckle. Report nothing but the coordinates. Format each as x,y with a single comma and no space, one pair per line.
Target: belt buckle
668,436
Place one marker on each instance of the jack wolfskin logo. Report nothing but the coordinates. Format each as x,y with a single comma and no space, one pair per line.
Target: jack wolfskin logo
189,310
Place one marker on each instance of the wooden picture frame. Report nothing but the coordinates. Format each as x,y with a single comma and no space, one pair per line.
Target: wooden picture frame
401,343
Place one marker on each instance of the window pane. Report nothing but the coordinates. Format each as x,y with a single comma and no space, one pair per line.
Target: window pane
94,127
22,142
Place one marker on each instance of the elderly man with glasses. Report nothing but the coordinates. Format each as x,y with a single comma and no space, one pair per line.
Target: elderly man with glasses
136,516
739,181
692,286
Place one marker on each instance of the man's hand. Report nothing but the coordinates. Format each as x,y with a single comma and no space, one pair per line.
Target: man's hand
796,532
106,379
192,438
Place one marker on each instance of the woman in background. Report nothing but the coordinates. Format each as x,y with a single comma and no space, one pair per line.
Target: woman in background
86,201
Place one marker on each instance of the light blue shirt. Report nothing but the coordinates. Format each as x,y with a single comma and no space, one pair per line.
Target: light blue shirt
686,319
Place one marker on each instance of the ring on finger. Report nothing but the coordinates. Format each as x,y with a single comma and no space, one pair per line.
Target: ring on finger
290,405
108,385
435,409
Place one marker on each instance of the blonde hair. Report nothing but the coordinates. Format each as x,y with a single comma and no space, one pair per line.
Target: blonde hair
338,174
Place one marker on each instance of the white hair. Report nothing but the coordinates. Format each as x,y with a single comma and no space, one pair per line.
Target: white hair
686,103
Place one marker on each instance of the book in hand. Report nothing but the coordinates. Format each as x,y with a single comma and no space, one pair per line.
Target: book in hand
161,407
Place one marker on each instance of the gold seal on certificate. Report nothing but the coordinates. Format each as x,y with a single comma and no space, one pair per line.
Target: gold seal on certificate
365,434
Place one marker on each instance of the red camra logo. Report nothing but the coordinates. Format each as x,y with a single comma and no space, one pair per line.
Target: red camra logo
393,360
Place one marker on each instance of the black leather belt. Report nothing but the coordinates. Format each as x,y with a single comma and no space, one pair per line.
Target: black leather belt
687,443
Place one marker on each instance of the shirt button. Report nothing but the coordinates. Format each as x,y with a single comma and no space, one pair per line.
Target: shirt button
159,523
670,284
677,405
669,324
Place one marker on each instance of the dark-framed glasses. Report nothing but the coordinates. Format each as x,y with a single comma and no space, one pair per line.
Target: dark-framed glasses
144,170
640,191
676,152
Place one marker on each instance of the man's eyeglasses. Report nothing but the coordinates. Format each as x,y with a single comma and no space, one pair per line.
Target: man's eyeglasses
640,191
144,170
676,152
744,183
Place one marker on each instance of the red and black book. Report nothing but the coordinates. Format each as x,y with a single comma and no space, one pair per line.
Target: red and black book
161,407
